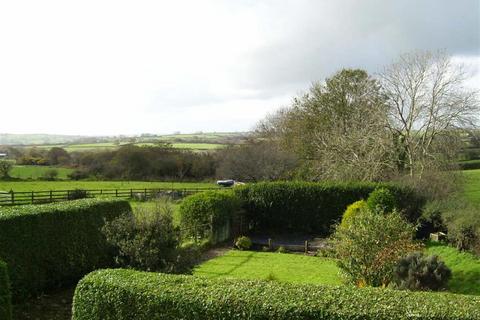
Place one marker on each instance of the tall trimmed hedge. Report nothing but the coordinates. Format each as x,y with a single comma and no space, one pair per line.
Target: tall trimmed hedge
49,245
5,298
127,294
209,213
312,207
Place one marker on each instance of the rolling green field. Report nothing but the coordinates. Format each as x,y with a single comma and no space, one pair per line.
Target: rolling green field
465,268
113,146
90,185
35,172
294,268
472,185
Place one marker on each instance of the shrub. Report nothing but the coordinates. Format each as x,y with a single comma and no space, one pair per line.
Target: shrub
419,272
78,175
128,294
305,207
208,214
77,194
50,174
382,200
369,247
5,298
352,210
243,243
51,245
146,241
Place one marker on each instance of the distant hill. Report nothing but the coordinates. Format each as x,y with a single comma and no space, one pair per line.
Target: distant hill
194,141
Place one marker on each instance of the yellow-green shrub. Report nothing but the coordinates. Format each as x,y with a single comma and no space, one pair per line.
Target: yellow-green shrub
352,210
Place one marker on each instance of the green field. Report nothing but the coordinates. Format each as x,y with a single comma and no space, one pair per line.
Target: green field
472,185
465,268
90,185
113,146
138,206
35,172
294,268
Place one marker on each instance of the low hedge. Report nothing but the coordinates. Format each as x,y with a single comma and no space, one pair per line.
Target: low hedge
50,245
312,207
209,211
5,299
127,294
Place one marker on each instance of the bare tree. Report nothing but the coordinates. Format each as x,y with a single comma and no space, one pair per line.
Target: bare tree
428,103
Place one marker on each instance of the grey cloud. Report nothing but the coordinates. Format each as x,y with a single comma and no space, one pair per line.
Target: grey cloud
324,36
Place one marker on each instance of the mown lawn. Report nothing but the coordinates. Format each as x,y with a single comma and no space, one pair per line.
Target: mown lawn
465,268
294,268
472,185
89,185
35,172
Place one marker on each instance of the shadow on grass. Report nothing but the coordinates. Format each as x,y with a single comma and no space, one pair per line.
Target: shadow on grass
235,266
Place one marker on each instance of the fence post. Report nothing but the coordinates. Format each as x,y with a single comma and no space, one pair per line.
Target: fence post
51,196
33,197
306,246
131,193
270,244
13,197
145,193
116,193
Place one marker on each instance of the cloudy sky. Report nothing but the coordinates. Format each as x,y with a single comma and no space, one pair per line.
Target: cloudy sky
128,67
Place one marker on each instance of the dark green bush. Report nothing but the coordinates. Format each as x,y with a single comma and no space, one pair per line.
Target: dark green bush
208,214
127,294
5,296
382,200
51,245
146,240
77,194
419,272
312,207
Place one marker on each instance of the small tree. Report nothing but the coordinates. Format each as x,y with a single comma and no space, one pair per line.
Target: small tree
369,246
5,168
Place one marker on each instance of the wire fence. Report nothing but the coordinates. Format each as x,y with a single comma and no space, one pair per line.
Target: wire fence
37,197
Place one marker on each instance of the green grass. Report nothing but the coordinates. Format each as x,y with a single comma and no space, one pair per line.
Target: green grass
293,268
35,172
89,185
472,185
138,206
465,268
113,146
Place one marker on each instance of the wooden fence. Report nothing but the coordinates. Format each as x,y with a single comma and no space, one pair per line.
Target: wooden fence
37,197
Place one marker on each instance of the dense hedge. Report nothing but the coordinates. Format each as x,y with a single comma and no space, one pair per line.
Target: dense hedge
312,207
209,211
5,299
127,294
50,245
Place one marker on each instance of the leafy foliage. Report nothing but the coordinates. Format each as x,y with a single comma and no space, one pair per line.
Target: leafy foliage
51,245
5,167
352,210
243,243
419,272
370,245
202,214
127,294
146,241
382,200
5,295
312,207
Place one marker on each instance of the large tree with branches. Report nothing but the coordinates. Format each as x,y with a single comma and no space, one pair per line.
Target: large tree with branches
429,106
